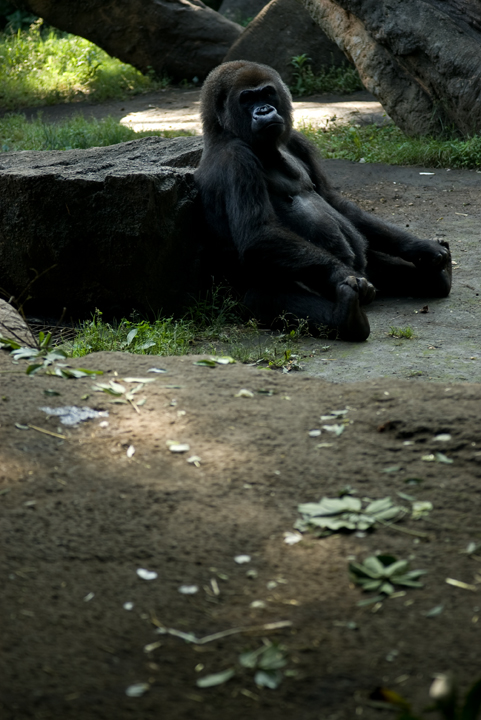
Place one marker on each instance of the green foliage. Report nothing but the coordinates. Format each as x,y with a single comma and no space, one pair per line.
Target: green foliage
164,336
43,67
214,324
398,332
268,661
388,144
383,572
18,133
346,513
329,79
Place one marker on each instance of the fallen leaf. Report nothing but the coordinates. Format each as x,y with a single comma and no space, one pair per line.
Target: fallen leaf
146,574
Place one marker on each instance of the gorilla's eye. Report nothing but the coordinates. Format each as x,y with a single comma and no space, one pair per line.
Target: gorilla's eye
247,96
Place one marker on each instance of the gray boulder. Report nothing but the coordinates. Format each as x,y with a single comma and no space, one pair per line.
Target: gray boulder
241,10
115,228
281,31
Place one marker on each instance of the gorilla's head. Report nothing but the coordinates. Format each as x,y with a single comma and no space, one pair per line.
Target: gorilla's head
248,101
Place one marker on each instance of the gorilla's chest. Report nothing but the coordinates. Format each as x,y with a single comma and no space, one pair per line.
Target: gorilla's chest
300,208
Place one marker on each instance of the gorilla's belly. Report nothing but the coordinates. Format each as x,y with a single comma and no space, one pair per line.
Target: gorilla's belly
311,217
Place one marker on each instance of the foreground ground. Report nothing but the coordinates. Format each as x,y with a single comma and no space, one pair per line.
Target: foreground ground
83,508
80,514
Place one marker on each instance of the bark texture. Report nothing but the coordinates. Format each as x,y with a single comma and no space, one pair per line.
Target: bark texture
420,58
182,38
116,228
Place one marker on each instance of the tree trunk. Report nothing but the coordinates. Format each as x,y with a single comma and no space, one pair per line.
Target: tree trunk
181,38
420,58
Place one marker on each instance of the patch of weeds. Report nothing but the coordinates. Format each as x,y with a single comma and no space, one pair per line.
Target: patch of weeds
214,324
164,336
406,333
346,513
44,356
43,66
382,573
388,144
18,133
328,79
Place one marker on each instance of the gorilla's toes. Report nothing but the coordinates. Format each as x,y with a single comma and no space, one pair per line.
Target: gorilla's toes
349,318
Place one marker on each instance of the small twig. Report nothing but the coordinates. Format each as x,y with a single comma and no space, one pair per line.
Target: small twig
47,432
403,530
133,405
190,637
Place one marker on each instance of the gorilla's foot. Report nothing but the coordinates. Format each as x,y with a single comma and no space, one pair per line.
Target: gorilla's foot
436,268
439,279
348,316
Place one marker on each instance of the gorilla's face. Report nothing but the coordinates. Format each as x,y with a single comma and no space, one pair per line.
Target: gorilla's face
261,107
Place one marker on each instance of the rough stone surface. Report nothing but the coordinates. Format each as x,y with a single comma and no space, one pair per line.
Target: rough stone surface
13,326
182,38
282,30
420,58
114,228
241,10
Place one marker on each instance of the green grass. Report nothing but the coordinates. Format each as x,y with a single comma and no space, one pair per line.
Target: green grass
388,144
215,325
18,133
406,333
44,67
330,79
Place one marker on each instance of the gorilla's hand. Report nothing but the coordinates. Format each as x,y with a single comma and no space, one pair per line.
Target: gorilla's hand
430,255
363,287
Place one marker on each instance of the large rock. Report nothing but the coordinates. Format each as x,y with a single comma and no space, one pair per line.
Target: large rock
114,228
420,58
241,10
281,31
182,38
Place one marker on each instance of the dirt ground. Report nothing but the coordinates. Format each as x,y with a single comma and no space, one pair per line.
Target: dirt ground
83,508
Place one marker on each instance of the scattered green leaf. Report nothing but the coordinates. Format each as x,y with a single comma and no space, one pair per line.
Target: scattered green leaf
215,679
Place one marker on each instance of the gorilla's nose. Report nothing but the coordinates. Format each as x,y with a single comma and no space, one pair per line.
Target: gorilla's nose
264,110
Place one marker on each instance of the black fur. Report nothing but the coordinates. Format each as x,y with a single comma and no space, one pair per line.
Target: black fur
303,249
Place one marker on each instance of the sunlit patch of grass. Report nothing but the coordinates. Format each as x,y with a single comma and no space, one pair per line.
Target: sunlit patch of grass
388,144
18,133
44,67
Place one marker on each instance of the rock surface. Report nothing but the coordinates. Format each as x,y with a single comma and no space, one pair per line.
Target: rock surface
115,227
241,10
13,326
181,38
420,58
281,31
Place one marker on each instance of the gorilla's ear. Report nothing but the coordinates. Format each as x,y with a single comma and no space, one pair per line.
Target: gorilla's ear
220,103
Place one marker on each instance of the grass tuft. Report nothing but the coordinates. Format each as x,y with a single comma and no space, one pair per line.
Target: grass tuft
18,133
406,333
46,67
388,144
214,324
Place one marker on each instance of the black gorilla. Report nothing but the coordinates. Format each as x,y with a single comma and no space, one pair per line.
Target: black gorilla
303,249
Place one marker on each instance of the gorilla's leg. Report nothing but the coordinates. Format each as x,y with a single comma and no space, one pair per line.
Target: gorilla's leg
344,315
429,277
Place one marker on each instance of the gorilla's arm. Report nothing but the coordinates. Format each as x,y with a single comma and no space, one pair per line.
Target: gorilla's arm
235,196
381,236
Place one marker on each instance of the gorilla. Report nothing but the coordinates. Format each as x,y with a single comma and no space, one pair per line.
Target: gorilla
303,250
